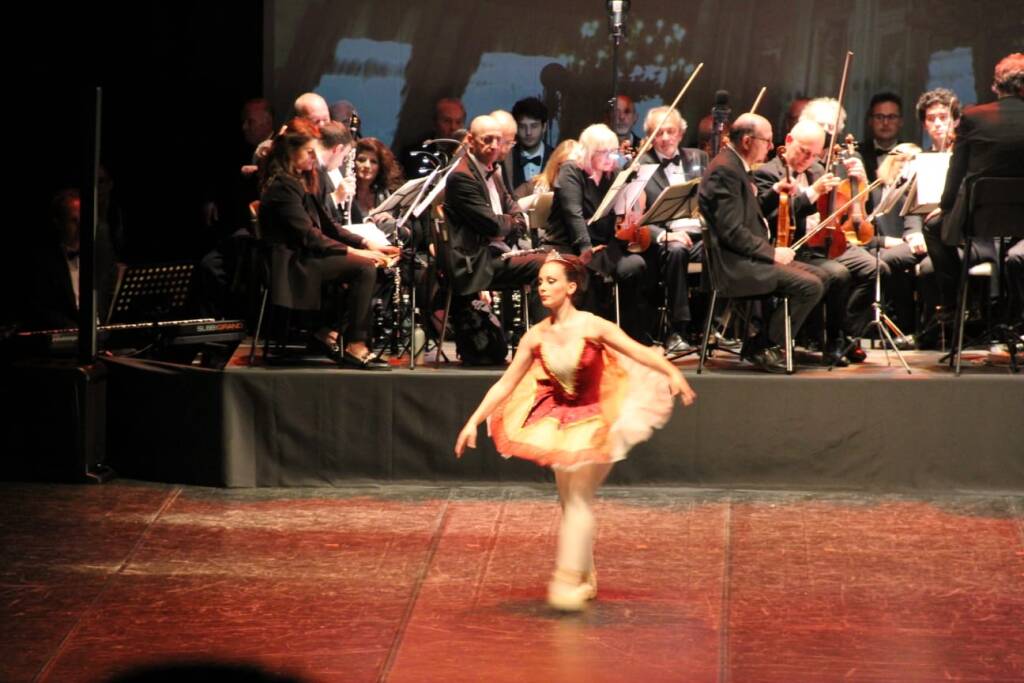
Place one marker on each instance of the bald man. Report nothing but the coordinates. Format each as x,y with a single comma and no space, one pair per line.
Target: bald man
745,262
312,107
482,216
508,141
850,288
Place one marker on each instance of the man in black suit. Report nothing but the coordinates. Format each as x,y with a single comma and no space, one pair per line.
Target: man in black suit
53,293
745,262
482,215
848,278
852,308
884,118
679,243
531,152
989,142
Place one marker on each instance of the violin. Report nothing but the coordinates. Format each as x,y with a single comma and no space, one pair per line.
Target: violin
854,225
784,223
829,239
628,228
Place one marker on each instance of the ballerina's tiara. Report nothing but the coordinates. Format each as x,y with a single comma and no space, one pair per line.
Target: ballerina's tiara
555,256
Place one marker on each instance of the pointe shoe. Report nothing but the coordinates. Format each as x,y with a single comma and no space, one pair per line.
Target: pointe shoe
568,595
590,580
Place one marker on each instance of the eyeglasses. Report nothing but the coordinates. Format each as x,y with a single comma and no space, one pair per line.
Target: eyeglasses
883,118
768,140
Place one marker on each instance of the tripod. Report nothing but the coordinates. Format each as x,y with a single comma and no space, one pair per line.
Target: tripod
880,321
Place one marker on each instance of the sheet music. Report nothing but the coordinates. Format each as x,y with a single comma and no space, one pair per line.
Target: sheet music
643,172
406,191
368,231
928,181
678,202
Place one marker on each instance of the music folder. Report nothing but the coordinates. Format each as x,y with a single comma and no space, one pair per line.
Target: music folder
675,202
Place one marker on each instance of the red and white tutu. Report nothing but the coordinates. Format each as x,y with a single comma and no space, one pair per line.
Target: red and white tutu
580,406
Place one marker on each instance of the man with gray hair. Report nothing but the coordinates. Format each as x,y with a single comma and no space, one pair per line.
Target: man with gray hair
679,242
850,295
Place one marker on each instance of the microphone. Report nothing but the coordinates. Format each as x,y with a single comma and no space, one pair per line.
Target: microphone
719,117
616,16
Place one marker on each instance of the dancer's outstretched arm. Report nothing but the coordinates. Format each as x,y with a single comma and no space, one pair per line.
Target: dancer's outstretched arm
499,391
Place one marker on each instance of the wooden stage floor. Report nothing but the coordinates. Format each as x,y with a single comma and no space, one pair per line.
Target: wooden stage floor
413,582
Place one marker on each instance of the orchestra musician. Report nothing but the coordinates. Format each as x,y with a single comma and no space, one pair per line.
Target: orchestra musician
844,314
989,142
739,239
293,220
482,216
678,243
578,191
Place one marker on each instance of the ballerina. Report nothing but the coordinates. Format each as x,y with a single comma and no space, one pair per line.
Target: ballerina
577,396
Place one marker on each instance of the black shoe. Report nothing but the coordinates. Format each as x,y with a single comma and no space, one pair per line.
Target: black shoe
675,345
367,362
769,359
321,348
834,354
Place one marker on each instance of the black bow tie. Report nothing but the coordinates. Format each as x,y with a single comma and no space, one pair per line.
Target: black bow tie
490,173
533,160
674,161
72,254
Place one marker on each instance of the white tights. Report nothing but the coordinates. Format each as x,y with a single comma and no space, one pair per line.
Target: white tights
576,490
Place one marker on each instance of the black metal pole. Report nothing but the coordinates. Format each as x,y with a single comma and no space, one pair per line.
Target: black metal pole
87,239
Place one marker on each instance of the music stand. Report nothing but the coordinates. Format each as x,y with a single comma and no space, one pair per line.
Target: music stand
154,292
675,202
400,198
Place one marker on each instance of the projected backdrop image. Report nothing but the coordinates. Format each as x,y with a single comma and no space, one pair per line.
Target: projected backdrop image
394,58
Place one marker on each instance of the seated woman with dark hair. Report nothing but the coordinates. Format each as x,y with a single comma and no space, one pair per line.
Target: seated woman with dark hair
377,176
292,219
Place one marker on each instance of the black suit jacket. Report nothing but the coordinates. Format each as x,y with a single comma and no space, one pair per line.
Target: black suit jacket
743,260
989,141
694,161
512,166
473,225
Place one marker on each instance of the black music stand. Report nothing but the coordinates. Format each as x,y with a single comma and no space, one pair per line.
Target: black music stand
153,292
674,203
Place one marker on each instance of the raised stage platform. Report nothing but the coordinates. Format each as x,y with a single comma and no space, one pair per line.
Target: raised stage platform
868,427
